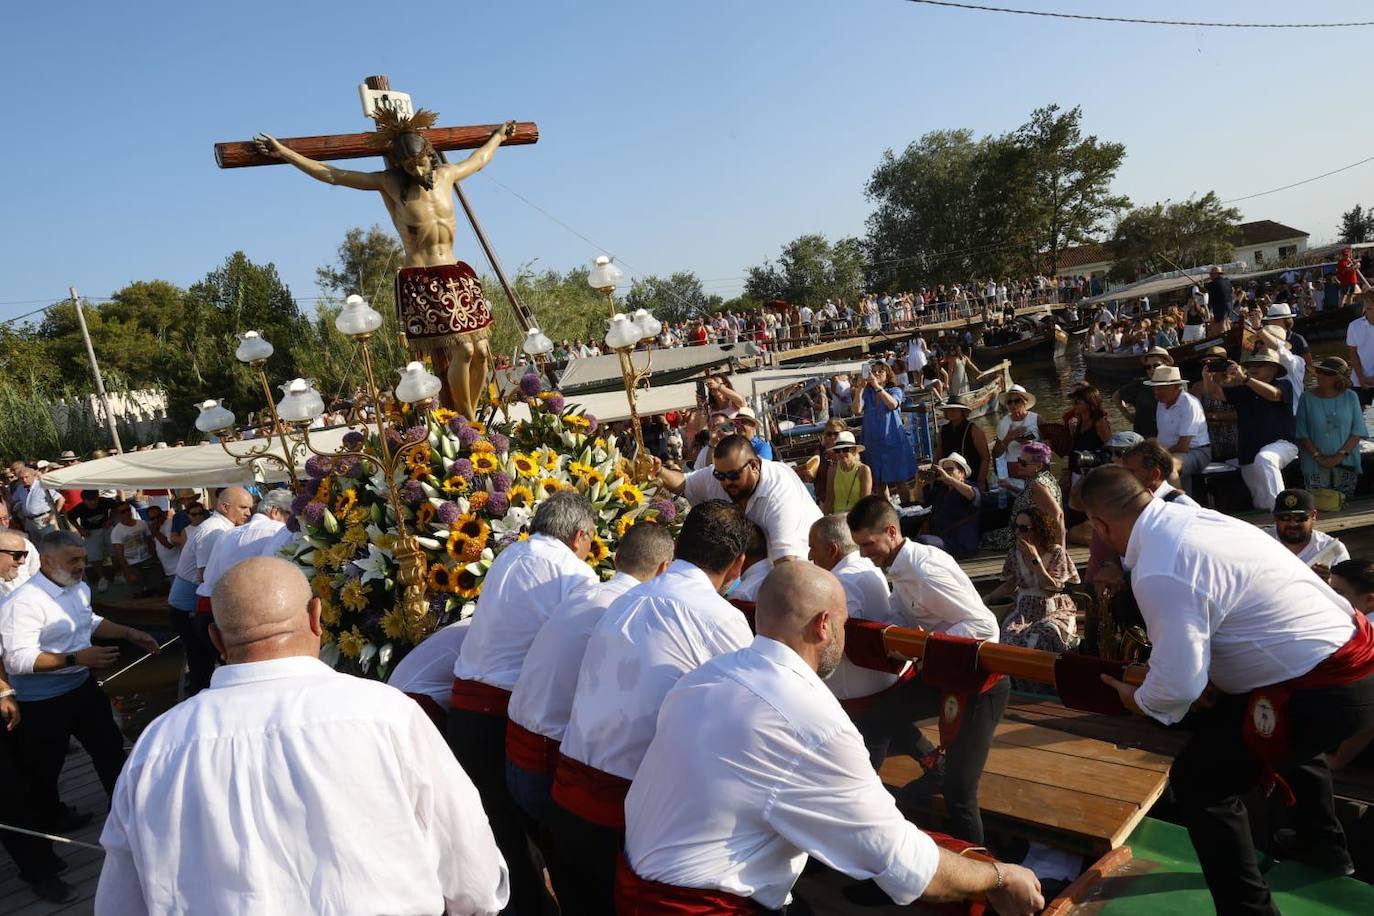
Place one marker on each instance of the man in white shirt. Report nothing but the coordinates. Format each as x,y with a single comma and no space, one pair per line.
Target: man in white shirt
770,493
1226,607
931,591
1181,424
166,545
1295,515
1359,342
233,507
426,673
541,702
646,640
46,628
262,536
525,584
41,504
18,563
755,767
757,566
278,789
132,552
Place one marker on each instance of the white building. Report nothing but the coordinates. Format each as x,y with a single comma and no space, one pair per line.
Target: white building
1260,244
140,414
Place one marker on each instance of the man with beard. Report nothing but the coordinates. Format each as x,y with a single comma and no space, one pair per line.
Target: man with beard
755,766
1295,515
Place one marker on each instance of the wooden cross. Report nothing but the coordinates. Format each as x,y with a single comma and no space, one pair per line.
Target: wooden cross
237,154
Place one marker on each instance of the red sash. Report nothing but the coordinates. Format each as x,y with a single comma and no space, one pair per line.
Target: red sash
436,713
589,793
950,665
203,606
474,696
529,750
1265,728
636,896
863,645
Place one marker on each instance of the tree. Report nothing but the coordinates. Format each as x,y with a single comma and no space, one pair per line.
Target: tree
1357,225
810,270
674,299
1170,236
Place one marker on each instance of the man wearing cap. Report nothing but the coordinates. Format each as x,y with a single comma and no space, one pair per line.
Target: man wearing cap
747,422
1265,440
1295,515
1137,400
1359,341
1181,422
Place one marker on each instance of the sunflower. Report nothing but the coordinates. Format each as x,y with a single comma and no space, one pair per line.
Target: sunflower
578,470
549,485
351,643
417,462
345,502
480,427
358,516
472,526
394,624
525,465
624,524
466,585
441,577
485,463
593,477
599,442
629,495
442,415
355,536
329,612
520,495
354,595
484,445
425,514
549,459
456,543
524,536
455,486
321,586
598,552
322,494
577,422
343,553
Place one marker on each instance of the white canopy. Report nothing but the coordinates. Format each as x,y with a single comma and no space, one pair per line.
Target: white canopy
766,380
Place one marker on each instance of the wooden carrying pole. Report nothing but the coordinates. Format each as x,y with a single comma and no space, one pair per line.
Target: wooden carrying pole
237,154
95,370
995,658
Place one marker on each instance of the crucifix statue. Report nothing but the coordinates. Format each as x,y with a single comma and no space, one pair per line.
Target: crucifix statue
440,301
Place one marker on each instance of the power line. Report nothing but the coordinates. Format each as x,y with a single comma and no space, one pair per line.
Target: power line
1138,21
1344,168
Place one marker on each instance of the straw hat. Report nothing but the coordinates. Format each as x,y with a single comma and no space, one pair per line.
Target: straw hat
845,442
1158,353
1268,357
1021,390
1218,352
958,402
747,413
958,459
1165,375
67,457
1278,312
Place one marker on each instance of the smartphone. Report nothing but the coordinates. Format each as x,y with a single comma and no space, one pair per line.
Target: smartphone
866,370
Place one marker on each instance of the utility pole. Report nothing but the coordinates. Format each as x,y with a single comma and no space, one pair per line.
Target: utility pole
95,370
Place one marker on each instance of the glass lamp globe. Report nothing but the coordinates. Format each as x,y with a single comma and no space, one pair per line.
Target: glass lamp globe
213,417
604,274
536,343
648,325
417,384
357,319
622,332
253,348
301,402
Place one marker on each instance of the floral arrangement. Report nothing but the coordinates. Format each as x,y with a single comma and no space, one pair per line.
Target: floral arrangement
468,491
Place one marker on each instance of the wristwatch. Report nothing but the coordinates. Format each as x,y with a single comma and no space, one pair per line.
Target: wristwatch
70,660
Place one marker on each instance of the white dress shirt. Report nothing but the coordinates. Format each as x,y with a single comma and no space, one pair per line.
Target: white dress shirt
254,539
39,501
42,616
202,545
287,787
646,640
1316,545
747,588
1224,602
781,505
169,557
930,590
756,767
525,583
866,596
543,696
1182,499
1184,418
427,669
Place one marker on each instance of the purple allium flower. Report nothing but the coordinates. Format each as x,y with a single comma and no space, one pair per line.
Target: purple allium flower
412,492
354,440
592,421
353,571
555,403
313,513
437,603
467,435
499,442
530,385
462,468
497,504
500,482
346,466
293,525
416,433
393,438
317,466
448,513
667,512
506,541
457,423
299,503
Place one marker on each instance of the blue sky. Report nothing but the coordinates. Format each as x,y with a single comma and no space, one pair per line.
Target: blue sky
692,135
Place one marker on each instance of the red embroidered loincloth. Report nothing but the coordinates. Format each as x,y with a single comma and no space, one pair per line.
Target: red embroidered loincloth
441,305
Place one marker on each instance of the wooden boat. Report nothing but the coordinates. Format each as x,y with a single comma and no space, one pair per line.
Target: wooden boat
1122,365
1325,325
1039,345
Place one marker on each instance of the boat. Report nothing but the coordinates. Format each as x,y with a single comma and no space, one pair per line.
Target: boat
1040,344
1122,364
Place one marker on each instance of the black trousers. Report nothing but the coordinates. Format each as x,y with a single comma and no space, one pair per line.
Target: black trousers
201,654
46,727
33,857
583,865
893,718
478,741
1214,770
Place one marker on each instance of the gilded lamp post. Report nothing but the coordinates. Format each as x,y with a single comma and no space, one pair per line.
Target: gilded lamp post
626,332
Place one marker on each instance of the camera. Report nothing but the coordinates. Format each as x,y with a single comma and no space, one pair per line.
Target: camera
1082,462
1218,365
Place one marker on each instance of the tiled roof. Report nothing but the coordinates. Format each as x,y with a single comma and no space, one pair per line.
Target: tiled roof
1263,231
1080,255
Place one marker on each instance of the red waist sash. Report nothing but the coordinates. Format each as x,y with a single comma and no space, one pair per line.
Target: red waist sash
474,696
203,606
636,896
530,750
1265,728
858,707
590,793
950,665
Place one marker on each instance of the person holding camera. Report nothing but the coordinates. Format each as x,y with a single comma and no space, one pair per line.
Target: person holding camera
955,503
891,456
1019,424
1263,399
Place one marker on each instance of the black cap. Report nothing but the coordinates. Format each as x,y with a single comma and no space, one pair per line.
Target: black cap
1294,501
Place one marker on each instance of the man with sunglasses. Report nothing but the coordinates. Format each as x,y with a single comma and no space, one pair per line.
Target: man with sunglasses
1295,515
770,493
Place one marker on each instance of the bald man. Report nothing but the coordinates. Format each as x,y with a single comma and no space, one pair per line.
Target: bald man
1291,662
269,790
233,507
18,561
725,808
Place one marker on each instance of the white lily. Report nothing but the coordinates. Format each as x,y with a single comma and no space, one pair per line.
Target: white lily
517,517
374,565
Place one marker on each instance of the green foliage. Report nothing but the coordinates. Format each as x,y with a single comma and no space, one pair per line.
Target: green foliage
28,429
1170,236
810,270
564,306
674,299
1357,225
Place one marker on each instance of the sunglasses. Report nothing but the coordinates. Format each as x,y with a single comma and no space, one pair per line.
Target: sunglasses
1025,527
1291,517
16,554
731,476
1025,463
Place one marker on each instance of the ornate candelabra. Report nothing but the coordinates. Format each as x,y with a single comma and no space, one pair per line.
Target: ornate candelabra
624,335
301,405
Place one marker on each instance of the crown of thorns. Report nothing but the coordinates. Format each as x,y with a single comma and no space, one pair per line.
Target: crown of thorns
392,125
